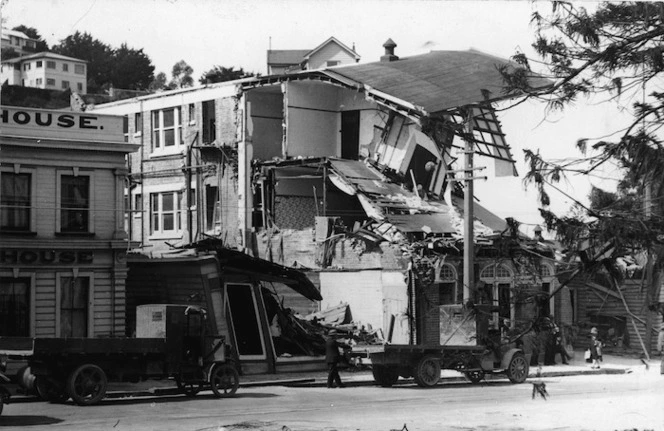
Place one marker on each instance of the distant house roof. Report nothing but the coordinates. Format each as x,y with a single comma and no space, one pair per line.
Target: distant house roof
286,56
437,81
332,40
292,57
15,33
44,54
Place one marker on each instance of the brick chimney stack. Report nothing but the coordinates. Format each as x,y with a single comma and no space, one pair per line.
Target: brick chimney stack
389,46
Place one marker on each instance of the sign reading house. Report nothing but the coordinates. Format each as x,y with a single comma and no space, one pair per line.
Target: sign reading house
62,125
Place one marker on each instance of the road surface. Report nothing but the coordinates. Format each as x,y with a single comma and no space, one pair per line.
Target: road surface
599,402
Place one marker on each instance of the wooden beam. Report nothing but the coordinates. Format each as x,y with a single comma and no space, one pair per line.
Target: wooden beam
603,289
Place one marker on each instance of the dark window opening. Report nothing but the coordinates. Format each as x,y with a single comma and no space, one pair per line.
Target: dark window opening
75,203
245,319
14,307
209,125
74,306
15,195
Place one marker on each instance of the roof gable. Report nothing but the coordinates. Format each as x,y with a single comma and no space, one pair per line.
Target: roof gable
327,42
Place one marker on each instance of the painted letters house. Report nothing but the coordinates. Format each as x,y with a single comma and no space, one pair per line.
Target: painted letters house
343,173
62,238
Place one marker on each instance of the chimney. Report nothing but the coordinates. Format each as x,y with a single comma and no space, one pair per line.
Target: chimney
389,46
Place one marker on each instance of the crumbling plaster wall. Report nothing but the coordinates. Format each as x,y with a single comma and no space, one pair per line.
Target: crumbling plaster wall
298,248
264,128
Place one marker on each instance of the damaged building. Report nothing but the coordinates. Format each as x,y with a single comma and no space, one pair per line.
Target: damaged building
353,175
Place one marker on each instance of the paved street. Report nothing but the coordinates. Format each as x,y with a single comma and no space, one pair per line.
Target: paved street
591,402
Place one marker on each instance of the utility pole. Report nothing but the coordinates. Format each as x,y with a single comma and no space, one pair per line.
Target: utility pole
647,207
468,216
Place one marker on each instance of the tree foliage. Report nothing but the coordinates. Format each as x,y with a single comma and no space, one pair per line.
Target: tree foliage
616,53
132,70
181,75
223,74
124,67
160,82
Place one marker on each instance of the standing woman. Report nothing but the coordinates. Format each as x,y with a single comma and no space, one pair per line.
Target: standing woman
595,347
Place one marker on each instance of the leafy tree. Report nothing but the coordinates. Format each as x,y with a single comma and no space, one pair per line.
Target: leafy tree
222,74
98,55
32,33
132,69
9,53
160,82
124,67
181,74
615,52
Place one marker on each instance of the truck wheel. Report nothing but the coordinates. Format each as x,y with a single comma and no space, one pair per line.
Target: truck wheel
517,370
427,371
188,388
51,390
474,376
87,384
384,375
224,380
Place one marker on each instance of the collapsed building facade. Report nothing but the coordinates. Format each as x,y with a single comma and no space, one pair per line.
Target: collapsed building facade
351,175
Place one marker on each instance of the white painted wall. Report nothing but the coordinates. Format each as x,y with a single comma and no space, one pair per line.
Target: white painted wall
330,52
312,120
265,123
373,296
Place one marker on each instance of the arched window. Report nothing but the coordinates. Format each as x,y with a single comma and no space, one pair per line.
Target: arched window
447,285
499,280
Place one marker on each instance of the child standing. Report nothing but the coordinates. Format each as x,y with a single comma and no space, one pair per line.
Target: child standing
595,347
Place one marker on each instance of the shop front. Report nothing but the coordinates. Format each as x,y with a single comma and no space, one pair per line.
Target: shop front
62,238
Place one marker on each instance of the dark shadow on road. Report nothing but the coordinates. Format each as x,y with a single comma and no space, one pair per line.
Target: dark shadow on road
457,385
26,421
160,399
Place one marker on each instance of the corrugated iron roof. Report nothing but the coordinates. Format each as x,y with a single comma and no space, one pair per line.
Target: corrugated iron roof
436,223
437,81
486,217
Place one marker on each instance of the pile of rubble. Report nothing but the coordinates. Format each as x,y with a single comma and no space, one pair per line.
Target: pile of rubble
305,335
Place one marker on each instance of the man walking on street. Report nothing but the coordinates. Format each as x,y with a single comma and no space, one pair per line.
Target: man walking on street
332,357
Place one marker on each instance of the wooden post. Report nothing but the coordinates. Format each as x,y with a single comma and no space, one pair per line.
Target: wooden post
468,216
646,351
647,203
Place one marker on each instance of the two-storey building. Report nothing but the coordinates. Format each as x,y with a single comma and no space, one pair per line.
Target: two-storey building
62,238
344,172
46,70
329,53
18,41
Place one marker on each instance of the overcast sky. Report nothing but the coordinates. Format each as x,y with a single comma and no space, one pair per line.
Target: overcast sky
228,33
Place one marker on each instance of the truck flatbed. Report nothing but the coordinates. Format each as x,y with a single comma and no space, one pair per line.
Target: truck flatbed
24,347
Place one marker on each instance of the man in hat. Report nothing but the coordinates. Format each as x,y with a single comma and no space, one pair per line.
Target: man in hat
332,357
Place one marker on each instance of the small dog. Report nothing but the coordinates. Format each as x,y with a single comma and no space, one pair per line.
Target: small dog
540,388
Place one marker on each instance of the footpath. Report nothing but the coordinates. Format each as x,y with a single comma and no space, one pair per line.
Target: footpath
612,364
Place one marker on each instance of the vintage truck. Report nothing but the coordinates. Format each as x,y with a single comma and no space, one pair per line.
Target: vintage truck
172,341
468,344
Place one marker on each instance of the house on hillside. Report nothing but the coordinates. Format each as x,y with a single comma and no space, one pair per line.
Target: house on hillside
329,53
347,174
18,41
46,70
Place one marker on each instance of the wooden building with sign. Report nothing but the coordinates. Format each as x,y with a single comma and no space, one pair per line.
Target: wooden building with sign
62,238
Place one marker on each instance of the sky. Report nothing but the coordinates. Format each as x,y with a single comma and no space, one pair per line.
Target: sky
234,33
